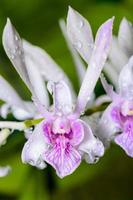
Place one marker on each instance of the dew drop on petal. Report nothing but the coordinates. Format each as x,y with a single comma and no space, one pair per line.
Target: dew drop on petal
81,24
38,162
16,37
12,56
78,45
90,45
31,162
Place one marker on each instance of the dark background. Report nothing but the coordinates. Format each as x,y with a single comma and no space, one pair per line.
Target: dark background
112,177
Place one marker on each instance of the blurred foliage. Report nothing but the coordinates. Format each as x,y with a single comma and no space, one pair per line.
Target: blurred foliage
37,21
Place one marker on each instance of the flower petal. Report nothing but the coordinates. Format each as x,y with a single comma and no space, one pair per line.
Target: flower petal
4,171
78,132
125,142
117,56
21,114
64,160
125,36
126,80
9,95
61,96
34,148
5,110
37,81
109,89
111,73
45,64
110,123
102,99
91,146
97,61
80,67
80,34
13,47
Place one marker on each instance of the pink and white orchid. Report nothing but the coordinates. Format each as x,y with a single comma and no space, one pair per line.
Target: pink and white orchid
121,51
116,122
62,139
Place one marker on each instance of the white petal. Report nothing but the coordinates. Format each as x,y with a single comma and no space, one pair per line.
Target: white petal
80,67
4,134
92,121
91,146
4,171
125,36
5,110
107,128
80,34
108,88
102,99
34,148
45,64
13,47
62,97
117,56
97,61
9,95
111,73
21,114
37,81
126,80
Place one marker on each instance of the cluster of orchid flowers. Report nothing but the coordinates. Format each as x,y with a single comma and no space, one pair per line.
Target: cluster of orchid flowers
63,135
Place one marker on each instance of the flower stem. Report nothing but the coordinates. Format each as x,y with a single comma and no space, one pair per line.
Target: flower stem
19,125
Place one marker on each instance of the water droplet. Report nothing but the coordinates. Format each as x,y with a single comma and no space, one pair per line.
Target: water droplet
67,109
82,113
89,98
31,162
81,24
16,37
39,161
28,145
16,48
59,107
19,52
94,65
90,45
59,114
78,45
14,51
12,57
105,121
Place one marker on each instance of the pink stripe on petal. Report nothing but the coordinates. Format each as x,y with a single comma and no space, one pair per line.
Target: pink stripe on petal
125,142
65,159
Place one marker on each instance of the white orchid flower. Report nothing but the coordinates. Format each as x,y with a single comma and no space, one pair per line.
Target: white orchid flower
121,51
62,138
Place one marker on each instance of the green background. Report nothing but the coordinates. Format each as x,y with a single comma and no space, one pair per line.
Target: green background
112,177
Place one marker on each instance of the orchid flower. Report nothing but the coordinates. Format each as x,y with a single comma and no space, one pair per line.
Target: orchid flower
39,64
62,139
121,51
116,122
